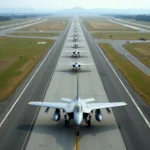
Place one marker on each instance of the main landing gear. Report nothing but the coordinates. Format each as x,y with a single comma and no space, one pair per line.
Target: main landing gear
67,121
88,122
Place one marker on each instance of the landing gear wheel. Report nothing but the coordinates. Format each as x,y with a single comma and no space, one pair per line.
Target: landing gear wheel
66,123
89,123
77,133
86,121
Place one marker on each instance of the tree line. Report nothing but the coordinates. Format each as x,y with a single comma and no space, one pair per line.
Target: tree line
135,17
11,17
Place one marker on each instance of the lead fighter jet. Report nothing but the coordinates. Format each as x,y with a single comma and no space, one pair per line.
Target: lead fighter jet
78,109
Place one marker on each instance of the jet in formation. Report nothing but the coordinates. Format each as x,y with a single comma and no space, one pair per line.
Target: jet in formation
78,109
75,34
76,45
74,39
76,53
77,65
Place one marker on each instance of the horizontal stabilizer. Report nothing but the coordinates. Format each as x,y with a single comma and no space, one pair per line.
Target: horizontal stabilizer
89,100
66,100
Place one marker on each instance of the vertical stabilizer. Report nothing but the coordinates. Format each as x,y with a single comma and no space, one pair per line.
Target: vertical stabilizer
77,87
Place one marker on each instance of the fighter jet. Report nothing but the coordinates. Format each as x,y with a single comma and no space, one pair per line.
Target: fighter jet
76,52
77,65
76,45
78,109
74,39
75,35
75,30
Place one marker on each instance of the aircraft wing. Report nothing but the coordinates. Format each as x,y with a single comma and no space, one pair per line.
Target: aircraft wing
83,52
50,104
68,51
106,105
91,64
88,107
70,64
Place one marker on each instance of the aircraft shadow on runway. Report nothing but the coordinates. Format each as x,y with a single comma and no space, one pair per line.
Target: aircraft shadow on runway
72,72
65,136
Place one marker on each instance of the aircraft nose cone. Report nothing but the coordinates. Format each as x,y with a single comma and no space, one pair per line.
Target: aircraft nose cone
78,120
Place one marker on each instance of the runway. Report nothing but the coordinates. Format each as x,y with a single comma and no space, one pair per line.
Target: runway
129,25
47,134
132,23
30,128
20,26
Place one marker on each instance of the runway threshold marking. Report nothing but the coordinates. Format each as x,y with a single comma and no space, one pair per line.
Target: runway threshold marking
136,105
4,119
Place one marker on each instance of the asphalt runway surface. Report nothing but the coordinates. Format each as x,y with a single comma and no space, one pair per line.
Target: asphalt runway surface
20,26
130,26
123,129
17,24
47,134
132,23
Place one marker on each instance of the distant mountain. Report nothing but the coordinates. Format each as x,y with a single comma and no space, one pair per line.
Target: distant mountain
79,10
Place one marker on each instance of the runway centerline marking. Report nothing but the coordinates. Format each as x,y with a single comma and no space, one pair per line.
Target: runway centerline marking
77,143
136,105
4,119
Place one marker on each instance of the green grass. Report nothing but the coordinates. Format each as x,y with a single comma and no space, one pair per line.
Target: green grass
141,51
121,36
53,23
40,34
12,74
103,25
137,79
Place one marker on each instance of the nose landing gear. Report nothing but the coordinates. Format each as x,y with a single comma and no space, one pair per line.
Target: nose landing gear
77,131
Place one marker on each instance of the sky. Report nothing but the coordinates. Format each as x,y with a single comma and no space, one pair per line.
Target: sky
62,4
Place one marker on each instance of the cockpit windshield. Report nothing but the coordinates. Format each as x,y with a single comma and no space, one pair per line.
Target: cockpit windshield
78,108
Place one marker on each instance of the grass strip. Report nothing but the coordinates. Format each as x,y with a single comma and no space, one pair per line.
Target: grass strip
14,73
141,51
121,36
137,79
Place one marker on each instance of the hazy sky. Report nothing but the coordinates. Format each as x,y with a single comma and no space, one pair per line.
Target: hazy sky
61,4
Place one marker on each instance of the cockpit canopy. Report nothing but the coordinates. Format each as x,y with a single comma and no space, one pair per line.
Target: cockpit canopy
77,108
